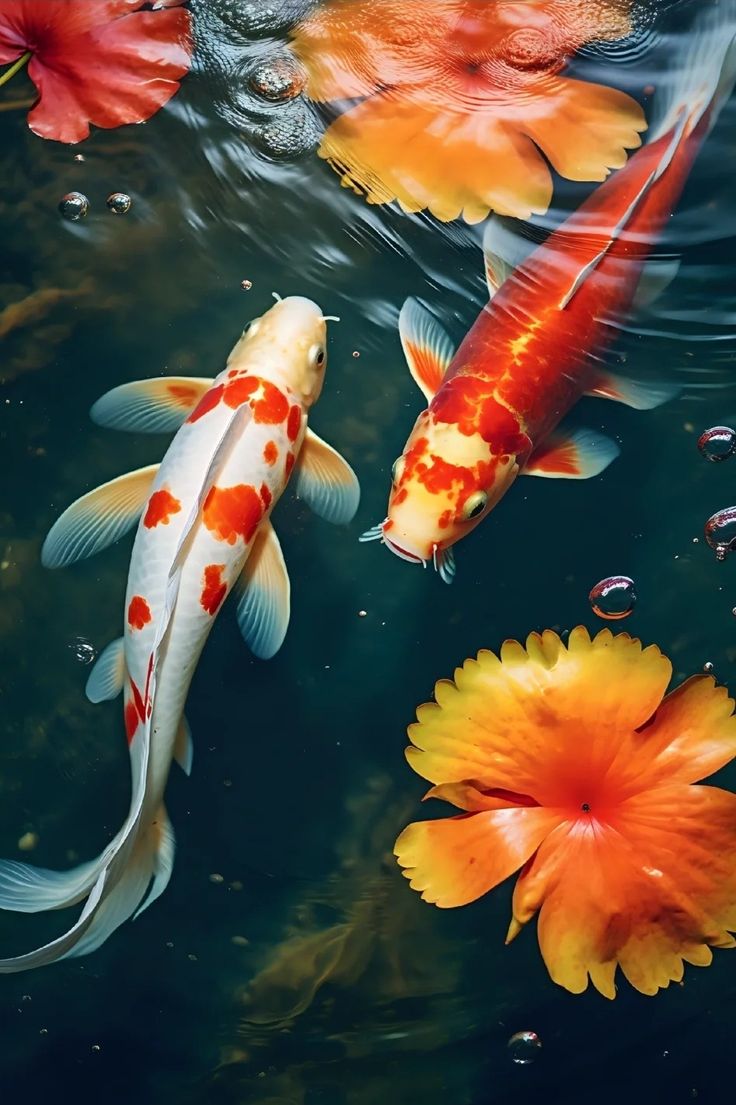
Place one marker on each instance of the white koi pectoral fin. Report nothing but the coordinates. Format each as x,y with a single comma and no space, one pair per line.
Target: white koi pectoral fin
640,396
157,406
503,251
576,456
325,481
427,348
98,519
108,675
183,747
265,596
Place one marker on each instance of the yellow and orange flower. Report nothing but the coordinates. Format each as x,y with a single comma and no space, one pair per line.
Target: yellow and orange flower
459,98
571,764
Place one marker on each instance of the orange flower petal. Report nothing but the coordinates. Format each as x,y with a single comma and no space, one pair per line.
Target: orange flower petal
394,147
584,129
472,797
650,892
537,721
454,861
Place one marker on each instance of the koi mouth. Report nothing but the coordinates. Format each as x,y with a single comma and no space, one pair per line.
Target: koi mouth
442,559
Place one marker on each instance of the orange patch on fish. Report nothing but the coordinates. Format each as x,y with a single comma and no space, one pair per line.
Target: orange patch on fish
468,402
131,719
270,452
272,406
139,612
213,590
232,512
238,391
265,496
161,506
207,403
294,422
184,392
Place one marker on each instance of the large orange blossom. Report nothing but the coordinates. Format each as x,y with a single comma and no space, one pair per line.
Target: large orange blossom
571,764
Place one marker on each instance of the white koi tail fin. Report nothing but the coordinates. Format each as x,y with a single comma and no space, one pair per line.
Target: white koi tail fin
141,856
703,76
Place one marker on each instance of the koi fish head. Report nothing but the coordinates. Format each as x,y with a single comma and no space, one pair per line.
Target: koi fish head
443,485
287,345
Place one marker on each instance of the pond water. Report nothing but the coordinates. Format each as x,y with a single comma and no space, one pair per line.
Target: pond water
288,963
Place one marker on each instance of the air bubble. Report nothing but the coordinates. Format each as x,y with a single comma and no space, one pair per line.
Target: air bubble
718,443
119,203
73,206
524,1047
277,78
83,650
720,531
246,285
708,667
613,598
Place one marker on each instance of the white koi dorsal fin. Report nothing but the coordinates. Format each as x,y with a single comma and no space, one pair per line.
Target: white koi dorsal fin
156,406
503,252
108,675
98,519
640,396
575,456
183,746
265,595
427,348
325,481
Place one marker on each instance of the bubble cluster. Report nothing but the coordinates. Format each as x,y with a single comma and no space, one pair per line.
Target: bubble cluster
720,531
718,443
613,598
119,203
524,1047
73,206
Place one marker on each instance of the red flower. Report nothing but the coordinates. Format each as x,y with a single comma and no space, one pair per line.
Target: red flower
95,61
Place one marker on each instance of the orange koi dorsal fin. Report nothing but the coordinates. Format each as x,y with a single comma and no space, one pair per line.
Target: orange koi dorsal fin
427,348
576,456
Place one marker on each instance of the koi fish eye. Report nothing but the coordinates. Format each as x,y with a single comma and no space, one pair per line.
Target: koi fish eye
474,505
316,356
397,468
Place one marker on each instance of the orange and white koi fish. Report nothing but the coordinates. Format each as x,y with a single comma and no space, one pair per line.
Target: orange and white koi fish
496,404
204,529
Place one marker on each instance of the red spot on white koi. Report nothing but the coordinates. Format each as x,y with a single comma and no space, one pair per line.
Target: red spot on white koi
270,453
238,391
207,403
131,719
161,506
139,612
265,496
232,512
140,708
213,589
289,464
268,403
294,423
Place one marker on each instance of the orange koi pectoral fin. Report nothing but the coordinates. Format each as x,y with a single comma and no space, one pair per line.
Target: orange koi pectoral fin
98,519
640,396
325,481
265,595
576,456
158,406
427,347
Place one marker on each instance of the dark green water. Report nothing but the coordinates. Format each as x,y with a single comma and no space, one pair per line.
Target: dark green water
288,963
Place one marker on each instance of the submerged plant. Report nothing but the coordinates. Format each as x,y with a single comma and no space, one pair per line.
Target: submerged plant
569,763
460,99
94,61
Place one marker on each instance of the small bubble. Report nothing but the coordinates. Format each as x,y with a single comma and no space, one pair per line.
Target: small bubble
83,650
215,877
356,353
119,203
96,1047
718,443
246,285
524,1047
278,78
43,1031
613,598
192,957
708,667
720,531
362,613
73,206
239,941
79,157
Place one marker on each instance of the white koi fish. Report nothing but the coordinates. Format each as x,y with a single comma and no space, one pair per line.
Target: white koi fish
204,529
